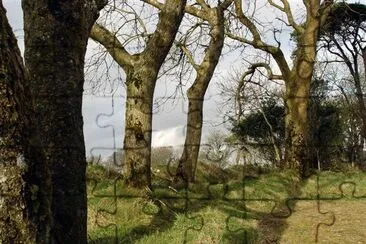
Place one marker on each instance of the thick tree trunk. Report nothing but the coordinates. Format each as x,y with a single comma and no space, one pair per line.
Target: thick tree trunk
25,189
297,100
15,227
56,34
142,72
138,126
296,126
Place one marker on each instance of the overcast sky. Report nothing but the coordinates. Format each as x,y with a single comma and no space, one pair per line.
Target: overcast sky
103,123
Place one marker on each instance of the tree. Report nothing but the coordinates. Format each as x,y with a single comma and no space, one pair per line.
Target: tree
142,71
217,149
343,36
25,215
263,127
266,127
56,35
214,16
326,127
298,77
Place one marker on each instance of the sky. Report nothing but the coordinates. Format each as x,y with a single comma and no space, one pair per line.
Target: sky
104,115
103,123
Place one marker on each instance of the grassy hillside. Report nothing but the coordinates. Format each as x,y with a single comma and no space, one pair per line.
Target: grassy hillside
238,205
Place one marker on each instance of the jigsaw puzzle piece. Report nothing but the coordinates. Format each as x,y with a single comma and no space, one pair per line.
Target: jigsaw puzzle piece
251,222
347,200
103,131
307,222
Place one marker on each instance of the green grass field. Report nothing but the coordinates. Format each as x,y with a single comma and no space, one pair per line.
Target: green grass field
278,208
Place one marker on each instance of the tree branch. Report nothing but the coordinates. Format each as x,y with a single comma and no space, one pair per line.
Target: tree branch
169,20
112,44
189,56
257,42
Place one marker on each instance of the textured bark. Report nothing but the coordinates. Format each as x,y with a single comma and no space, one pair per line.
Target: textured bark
142,71
140,91
24,183
56,34
297,98
141,80
196,93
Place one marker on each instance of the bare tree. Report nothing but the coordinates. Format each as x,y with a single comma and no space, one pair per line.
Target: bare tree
298,77
142,71
214,16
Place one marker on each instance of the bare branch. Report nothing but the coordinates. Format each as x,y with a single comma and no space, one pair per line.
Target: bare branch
189,56
154,3
225,4
287,10
203,4
112,44
270,74
276,5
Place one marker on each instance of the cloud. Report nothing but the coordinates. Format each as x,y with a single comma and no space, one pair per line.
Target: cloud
169,137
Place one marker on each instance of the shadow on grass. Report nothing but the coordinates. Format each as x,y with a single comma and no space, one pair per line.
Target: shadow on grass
268,229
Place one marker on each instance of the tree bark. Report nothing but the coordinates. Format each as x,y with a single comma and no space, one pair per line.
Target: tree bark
25,186
188,161
296,126
297,99
196,93
138,127
56,34
15,227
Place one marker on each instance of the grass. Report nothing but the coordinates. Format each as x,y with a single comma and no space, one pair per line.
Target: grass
213,210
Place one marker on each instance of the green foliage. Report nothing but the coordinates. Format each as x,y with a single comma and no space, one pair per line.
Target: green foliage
344,13
255,126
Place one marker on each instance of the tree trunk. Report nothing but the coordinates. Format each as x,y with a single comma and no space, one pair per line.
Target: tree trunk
196,93
142,72
188,161
56,34
297,100
138,128
25,189
296,126
361,98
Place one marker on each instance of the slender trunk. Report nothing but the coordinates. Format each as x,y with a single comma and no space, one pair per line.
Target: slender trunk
361,105
138,126
24,183
360,97
56,35
196,94
275,144
188,161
